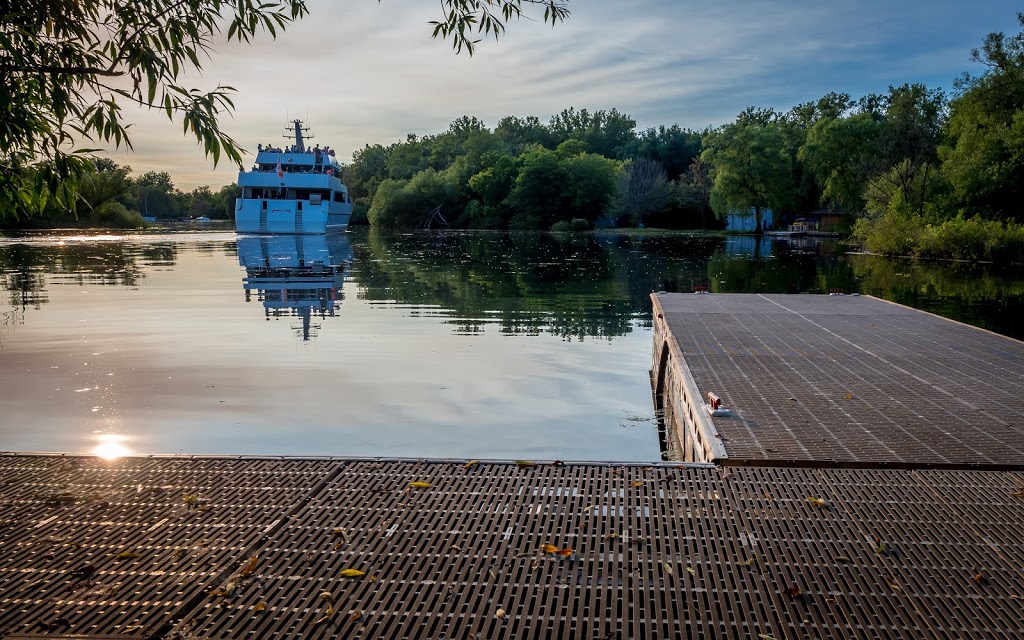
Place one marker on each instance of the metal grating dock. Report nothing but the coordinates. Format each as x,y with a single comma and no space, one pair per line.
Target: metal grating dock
849,380
661,551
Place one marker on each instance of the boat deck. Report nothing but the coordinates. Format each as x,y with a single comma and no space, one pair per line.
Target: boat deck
206,548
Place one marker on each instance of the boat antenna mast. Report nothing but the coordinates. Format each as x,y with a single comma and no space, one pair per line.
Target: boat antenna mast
295,130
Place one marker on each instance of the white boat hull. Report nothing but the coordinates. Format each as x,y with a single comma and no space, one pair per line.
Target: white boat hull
290,216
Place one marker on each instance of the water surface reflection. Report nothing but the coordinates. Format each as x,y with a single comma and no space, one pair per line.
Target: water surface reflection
447,344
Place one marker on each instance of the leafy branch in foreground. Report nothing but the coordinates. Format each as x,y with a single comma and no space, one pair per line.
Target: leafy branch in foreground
67,66
463,18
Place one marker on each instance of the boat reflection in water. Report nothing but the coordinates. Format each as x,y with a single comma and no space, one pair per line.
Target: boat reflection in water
296,276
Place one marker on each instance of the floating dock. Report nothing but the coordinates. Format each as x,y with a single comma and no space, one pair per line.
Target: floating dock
819,380
867,482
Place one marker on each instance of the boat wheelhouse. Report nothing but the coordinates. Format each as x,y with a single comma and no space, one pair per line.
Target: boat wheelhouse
295,189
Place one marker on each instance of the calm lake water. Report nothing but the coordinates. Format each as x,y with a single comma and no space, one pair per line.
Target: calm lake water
473,345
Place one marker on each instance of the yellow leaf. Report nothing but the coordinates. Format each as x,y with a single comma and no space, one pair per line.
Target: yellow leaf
565,553
525,463
419,485
126,555
355,616
471,464
668,567
849,396
746,563
549,548
259,606
1018,494
250,566
691,571
765,636
815,501
638,483
352,573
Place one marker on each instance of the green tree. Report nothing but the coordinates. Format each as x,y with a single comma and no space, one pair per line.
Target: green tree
521,133
589,184
105,183
839,153
156,195
641,189
671,147
751,166
983,157
907,146
224,201
538,189
407,203
606,133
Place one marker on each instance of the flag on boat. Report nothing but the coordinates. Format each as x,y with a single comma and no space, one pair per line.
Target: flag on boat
280,170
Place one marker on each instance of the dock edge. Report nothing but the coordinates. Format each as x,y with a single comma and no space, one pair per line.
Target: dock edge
677,398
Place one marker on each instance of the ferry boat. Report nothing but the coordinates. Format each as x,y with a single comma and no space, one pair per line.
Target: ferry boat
295,189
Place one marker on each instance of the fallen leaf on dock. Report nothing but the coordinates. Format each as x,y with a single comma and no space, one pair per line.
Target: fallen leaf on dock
525,463
638,483
1019,493
746,563
980,578
816,501
691,571
566,552
259,606
419,485
352,573
327,595
668,568
249,566
126,555
471,464
893,584
548,548
355,616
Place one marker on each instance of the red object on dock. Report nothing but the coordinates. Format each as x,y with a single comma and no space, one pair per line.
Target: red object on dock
714,400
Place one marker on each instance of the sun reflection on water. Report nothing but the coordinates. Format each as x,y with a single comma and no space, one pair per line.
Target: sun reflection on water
111,446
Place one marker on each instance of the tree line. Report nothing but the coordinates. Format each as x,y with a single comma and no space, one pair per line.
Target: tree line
108,195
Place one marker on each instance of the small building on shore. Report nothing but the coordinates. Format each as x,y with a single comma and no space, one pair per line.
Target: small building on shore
741,220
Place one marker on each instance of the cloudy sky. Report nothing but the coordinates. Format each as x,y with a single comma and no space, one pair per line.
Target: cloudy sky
361,72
